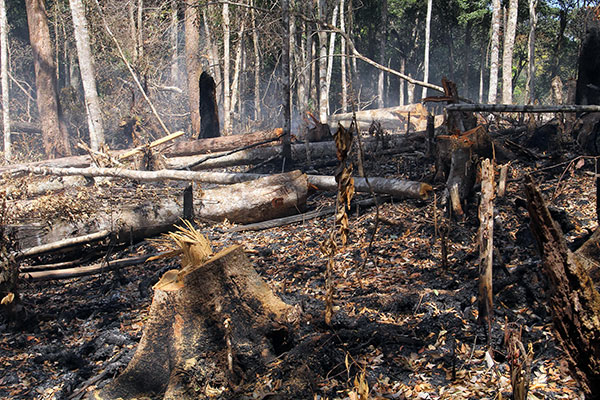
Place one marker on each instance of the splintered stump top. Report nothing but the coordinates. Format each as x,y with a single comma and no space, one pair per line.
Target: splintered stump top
206,336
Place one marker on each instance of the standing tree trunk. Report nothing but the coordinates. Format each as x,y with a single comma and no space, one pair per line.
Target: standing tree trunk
427,40
323,95
531,51
257,109
140,29
174,44
402,84
54,132
507,53
88,75
237,68
330,56
343,59
4,75
495,52
213,52
192,63
226,71
382,42
286,150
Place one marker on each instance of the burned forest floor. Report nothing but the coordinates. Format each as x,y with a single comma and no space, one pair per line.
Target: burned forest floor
404,325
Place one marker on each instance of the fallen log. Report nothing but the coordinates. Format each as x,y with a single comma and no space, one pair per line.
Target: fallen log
222,143
389,118
320,150
394,187
212,325
136,217
574,301
179,149
68,273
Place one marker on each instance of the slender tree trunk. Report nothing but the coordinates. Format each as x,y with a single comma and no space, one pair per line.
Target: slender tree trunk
330,56
531,51
482,64
343,59
410,89
257,108
133,32
88,74
495,52
226,71
427,40
174,44
314,70
323,95
507,53
287,93
54,132
382,42
467,55
192,63
4,75
140,28
237,66
402,84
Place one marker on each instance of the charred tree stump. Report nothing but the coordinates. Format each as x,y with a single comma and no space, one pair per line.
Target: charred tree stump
214,325
209,111
574,301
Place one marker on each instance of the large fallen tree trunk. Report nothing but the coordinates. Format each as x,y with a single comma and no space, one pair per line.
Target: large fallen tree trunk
222,143
258,200
523,108
574,301
321,150
398,188
212,325
183,148
389,118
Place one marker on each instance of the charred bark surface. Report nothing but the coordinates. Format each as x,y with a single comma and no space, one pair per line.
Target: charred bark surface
574,301
209,111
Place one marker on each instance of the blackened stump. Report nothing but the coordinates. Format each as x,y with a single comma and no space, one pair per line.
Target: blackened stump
209,112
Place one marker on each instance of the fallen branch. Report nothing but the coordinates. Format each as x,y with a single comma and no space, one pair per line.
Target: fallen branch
85,271
61,244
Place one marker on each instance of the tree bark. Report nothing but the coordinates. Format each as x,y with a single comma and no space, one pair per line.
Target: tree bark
54,132
507,52
286,149
215,328
192,63
4,77
485,239
88,74
257,64
574,301
495,52
343,59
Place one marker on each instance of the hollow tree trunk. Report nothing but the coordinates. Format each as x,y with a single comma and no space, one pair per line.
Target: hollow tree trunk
217,328
209,111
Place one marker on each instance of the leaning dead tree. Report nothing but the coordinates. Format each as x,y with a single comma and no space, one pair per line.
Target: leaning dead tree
213,325
574,301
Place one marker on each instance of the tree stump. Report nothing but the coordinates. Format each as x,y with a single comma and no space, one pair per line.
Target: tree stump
211,326
209,111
